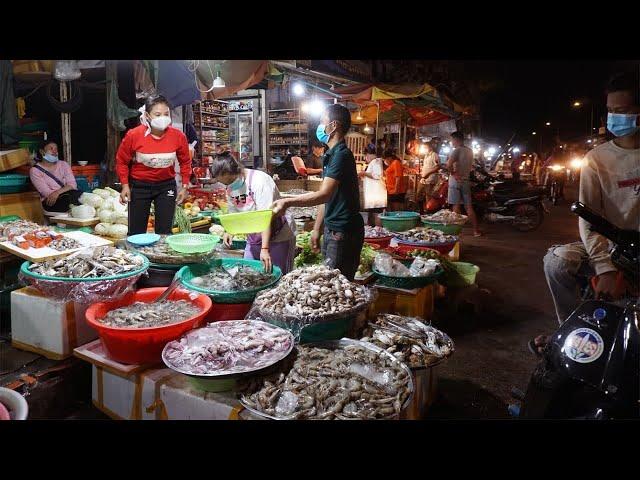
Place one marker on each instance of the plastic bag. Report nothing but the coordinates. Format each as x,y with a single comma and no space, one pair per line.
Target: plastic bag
84,292
387,265
67,70
422,267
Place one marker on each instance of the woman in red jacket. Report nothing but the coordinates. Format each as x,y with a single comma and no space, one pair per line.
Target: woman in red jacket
145,164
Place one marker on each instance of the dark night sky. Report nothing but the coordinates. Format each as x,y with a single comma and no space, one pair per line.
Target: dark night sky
530,93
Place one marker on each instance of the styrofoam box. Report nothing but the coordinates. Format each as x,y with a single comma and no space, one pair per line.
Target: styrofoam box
50,327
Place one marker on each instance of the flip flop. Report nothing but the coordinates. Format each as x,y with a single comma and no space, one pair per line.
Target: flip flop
477,234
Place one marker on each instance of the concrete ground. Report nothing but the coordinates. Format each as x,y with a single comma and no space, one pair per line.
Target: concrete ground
491,354
490,357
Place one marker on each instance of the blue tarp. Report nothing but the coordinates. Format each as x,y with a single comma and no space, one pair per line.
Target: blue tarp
176,83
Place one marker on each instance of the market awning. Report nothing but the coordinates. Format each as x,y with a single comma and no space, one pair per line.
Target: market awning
237,75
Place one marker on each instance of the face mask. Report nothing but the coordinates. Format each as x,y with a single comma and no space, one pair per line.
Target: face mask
50,158
161,123
321,135
621,124
236,184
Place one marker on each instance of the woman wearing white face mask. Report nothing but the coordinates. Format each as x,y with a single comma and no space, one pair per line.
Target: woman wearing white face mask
145,164
54,181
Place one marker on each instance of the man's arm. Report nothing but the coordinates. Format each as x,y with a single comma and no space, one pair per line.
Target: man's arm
327,189
596,245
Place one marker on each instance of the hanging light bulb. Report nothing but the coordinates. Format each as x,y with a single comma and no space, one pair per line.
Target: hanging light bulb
218,82
367,128
359,116
298,89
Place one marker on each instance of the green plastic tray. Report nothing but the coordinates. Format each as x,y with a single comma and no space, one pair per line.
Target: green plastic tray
246,222
448,229
400,221
188,272
464,275
192,242
25,270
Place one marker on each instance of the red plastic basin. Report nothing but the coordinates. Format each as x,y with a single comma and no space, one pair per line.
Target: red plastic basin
144,345
383,242
442,248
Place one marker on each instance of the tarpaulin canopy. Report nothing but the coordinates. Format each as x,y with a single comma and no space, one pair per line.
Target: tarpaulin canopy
237,75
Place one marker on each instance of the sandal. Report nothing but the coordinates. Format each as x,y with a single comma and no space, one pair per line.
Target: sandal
477,234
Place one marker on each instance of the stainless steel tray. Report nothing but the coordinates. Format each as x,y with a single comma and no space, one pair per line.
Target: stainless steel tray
334,344
234,375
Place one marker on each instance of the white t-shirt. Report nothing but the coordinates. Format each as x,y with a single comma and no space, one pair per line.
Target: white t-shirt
374,190
462,158
610,186
258,192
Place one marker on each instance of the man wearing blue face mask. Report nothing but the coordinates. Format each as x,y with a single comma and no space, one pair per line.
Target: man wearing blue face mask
338,197
609,185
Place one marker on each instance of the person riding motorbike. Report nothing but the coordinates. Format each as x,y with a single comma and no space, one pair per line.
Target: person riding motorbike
610,186
555,169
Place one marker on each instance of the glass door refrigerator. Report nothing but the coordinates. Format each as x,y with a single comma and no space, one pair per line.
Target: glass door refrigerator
244,132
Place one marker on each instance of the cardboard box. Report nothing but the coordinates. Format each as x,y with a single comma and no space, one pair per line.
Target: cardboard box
26,205
51,328
10,159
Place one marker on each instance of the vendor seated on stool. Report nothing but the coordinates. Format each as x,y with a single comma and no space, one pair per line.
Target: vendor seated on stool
54,181
313,164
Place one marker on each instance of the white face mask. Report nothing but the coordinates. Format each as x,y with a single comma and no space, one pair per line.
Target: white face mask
160,123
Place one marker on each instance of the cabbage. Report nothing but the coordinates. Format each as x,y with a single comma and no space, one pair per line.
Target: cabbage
91,199
116,230
122,218
101,228
112,192
107,216
217,230
102,193
118,207
83,212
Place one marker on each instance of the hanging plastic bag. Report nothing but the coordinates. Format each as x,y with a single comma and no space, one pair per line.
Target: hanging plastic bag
67,70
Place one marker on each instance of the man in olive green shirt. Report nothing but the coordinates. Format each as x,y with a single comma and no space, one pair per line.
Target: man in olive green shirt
338,197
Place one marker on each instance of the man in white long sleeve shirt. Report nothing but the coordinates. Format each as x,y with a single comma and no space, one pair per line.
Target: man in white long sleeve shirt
609,185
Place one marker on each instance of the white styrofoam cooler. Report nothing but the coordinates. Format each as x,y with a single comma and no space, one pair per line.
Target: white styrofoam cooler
46,326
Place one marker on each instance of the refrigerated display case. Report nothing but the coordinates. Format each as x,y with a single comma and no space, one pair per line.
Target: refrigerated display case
244,134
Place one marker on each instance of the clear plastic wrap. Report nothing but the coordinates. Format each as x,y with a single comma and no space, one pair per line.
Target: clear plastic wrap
422,267
309,296
83,292
387,265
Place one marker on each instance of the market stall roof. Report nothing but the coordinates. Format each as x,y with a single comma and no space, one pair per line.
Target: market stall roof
237,75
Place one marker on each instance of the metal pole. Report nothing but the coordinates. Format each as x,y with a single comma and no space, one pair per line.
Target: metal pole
66,125
377,119
591,129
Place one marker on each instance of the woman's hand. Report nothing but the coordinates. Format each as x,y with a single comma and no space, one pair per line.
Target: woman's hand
182,194
52,198
125,194
265,258
362,174
227,239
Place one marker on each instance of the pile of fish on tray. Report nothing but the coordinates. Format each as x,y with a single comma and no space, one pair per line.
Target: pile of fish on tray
90,263
425,235
409,340
346,382
232,279
25,234
230,347
446,217
145,315
375,232
161,252
312,291
303,212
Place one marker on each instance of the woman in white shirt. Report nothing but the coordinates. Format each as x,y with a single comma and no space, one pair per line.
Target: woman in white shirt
374,190
429,175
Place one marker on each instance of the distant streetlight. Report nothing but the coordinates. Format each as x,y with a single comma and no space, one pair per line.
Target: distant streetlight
548,124
533,133
576,104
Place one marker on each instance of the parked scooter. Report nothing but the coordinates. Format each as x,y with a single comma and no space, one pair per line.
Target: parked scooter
591,367
512,201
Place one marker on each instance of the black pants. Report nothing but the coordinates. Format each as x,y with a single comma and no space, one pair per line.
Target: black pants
163,195
63,202
342,250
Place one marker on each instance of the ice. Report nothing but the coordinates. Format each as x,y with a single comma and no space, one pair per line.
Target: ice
371,373
287,404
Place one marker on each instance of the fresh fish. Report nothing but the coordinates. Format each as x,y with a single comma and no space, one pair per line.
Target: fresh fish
232,279
90,263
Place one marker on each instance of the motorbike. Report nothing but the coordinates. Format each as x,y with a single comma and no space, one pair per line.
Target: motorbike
511,201
591,366
557,175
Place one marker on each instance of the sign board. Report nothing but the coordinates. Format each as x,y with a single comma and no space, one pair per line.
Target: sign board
351,69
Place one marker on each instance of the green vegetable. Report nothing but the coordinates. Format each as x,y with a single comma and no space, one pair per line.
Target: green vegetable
367,255
307,256
182,220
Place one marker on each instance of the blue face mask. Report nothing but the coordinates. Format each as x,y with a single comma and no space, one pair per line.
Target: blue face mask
236,184
50,158
621,124
321,134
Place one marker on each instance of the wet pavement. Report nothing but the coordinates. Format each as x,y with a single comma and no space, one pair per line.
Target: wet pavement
491,354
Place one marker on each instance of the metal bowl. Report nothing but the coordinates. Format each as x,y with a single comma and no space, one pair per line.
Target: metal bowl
335,344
